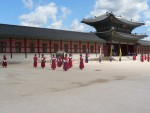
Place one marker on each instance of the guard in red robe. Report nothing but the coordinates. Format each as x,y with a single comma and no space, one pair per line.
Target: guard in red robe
65,63
4,63
81,66
145,57
142,58
134,56
148,57
59,61
35,61
43,60
53,65
70,61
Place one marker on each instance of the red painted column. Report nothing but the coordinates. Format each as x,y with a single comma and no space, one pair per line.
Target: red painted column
136,49
10,43
110,49
95,46
127,49
38,44
61,45
25,47
119,49
50,46
70,46
80,46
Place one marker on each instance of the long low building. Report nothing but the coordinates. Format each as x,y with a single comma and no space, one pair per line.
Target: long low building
22,39
112,33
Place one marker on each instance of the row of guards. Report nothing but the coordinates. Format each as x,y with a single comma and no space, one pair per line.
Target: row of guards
142,57
59,61
67,61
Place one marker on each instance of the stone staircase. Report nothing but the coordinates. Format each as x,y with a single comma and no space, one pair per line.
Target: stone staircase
116,58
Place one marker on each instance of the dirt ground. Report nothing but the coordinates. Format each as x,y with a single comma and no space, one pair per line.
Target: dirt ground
107,87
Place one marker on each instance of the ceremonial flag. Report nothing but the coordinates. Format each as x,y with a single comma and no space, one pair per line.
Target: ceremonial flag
111,50
120,54
100,52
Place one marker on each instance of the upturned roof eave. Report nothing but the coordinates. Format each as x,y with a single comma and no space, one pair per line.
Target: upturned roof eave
104,17
122,35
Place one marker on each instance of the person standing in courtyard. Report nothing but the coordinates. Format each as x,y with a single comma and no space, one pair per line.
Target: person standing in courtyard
59,61
100,54
65,63
70,61
81,65
43,60
35,61
4,61
148,57
86,57
145,57
100,58
142,58
110,58
53,65
134,56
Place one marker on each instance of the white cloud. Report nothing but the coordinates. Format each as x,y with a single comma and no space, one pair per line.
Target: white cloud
147,23
65,11
148,29
130,9
50,16
39,17
57,24
28,3
76,26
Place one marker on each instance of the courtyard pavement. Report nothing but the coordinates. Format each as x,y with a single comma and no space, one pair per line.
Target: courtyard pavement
107,87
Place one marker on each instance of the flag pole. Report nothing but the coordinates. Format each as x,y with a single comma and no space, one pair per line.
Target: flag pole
120,54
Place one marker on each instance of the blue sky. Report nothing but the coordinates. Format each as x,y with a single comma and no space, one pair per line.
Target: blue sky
67,14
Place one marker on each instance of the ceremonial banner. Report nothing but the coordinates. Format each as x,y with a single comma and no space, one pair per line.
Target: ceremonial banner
120,53
111,50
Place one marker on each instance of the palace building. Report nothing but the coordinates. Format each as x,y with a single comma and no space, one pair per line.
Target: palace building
116,32
112,33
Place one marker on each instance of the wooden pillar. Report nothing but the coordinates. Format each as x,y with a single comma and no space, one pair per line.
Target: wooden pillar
110,49
50,46
61,45
80,46
38,44
25,47
135,49
95,47
127,48
10,43
99,47
119,49
70,46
